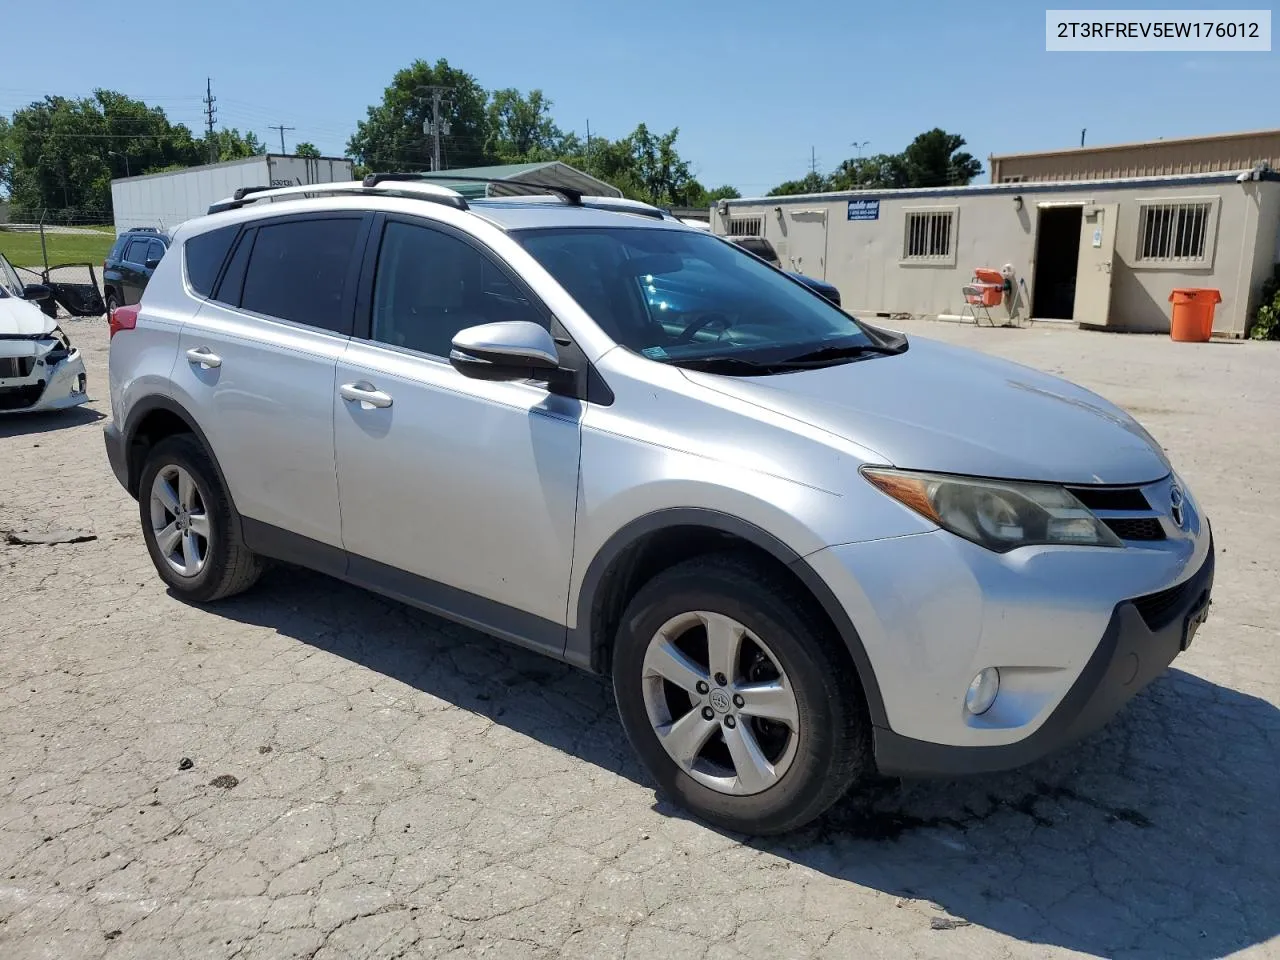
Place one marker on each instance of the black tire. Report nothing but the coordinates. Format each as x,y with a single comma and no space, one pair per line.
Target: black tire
833,748
112,302
229,567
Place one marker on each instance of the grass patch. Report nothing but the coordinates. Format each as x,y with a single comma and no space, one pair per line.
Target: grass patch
23,248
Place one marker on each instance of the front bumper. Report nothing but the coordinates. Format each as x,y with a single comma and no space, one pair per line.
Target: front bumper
1141,639
45,388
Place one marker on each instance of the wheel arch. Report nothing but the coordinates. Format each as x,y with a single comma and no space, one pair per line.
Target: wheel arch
153,419
648,544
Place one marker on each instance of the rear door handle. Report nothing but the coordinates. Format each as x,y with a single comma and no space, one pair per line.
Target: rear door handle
204,356
364,392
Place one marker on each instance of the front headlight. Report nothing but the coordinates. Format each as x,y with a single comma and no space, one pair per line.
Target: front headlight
997,514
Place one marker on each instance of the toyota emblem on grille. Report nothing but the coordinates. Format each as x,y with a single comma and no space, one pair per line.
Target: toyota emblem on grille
1175,504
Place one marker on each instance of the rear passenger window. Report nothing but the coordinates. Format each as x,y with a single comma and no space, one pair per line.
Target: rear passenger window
297,271
204,254
136,252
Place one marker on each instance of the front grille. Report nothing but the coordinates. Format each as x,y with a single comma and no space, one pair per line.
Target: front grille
1110,498
16,366
1158,610
17,398
1135,528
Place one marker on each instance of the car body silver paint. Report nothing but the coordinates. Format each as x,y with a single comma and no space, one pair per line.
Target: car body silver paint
465,482
482,486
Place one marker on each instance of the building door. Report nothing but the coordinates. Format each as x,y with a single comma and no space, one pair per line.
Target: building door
1093,271
807,243
1053,277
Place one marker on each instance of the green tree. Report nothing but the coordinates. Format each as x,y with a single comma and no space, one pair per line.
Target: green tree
520,128
882,171
934,159
306,149
811,182
696,195
232,146
60,154
394,136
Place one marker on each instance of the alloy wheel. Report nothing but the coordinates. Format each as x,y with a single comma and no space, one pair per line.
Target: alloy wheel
179,521
720,703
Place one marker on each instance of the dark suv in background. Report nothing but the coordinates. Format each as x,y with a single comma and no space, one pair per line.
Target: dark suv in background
763,249
129,265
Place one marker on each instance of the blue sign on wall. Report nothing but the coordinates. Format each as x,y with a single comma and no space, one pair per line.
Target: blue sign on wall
864,209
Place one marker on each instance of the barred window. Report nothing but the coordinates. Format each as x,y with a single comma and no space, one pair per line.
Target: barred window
746,226
928,235
1174,232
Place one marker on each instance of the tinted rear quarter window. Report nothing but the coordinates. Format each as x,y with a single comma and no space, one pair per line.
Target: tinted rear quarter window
204,254
297,271
136,252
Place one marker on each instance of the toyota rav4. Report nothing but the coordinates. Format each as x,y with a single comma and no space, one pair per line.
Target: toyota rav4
805,548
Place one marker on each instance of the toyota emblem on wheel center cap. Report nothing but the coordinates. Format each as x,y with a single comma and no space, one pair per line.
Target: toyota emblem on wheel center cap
719,700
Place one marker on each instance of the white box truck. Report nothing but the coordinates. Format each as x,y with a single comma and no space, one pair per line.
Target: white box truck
164,200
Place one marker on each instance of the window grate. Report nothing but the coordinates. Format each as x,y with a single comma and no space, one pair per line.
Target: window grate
746,226
1174,232
928,235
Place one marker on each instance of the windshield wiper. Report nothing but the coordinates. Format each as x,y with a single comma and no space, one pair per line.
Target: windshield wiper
838,352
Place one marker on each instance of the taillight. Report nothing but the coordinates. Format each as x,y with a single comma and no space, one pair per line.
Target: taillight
122,318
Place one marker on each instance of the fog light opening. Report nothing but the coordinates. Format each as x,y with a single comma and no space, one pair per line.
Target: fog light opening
982,691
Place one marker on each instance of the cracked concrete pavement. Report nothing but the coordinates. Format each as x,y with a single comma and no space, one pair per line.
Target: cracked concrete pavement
368,781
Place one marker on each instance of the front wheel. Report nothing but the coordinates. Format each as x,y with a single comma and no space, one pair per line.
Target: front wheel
737,697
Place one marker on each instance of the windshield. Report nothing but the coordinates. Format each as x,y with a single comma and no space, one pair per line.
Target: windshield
677,295
10,282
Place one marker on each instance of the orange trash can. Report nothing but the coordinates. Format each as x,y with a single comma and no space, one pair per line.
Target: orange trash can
1193,309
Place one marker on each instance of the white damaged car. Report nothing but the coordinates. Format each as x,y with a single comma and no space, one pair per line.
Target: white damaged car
39,368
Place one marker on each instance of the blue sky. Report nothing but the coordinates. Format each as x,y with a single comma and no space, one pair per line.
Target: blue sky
752,85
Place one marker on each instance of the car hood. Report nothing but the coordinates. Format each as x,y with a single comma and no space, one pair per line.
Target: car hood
811,281
951,410
23,318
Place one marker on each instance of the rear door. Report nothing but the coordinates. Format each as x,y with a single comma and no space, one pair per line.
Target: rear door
256,366
133,270
1093,269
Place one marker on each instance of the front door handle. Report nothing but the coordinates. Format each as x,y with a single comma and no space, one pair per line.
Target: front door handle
364,392
204,356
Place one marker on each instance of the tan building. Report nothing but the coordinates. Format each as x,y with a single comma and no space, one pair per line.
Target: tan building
1219,153
1099,253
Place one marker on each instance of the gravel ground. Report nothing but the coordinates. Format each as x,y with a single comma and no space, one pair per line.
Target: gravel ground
312,771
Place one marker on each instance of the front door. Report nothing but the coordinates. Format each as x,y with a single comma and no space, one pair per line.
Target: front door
1093,271
458,495
807,243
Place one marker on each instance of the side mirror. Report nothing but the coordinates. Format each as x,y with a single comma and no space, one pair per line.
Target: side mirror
152,263
512,350
36,291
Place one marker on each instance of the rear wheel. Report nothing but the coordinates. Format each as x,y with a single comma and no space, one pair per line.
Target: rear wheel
112,301
188,526
737,697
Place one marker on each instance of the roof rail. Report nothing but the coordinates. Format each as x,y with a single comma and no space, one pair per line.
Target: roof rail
429,192
570,195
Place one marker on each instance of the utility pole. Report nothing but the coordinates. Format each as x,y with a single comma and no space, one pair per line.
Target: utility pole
435,126
588,139
209,114
813,161
282,128
1082,133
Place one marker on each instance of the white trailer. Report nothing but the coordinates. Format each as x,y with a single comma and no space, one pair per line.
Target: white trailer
165,200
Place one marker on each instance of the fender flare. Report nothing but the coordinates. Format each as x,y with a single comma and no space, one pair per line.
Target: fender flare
580,640
139,413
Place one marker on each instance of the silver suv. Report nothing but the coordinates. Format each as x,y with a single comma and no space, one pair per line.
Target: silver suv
805,548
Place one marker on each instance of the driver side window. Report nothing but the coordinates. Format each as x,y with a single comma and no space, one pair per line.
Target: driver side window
429,285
